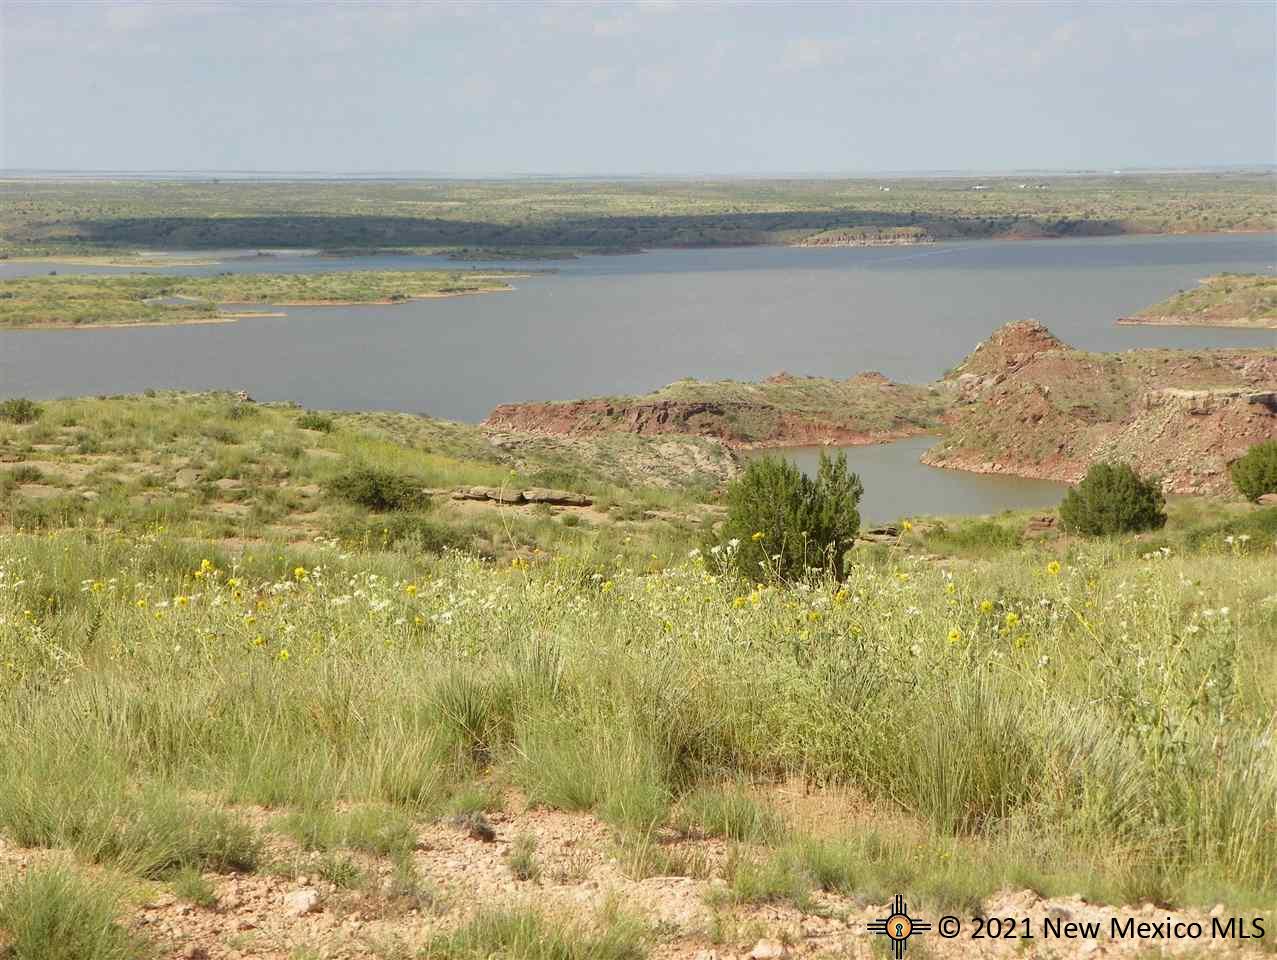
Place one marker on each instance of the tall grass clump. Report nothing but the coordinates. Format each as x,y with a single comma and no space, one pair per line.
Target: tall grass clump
524,934
54,913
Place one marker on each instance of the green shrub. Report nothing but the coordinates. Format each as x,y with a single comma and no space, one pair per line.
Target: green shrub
379,490
241,411
1255,474
1113,498
25,473
775,510
19,410
315,421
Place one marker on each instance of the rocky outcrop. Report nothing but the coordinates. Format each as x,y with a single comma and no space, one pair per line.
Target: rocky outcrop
1029,405
559,498
783,410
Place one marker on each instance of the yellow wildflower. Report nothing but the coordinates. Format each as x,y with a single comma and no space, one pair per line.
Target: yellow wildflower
949,588
758,535
986,606
955,636
299,573
1053,568
1013,618
283,655
411,589
141,604
182,601
906,526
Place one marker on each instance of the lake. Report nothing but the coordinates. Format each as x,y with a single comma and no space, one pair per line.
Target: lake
897,485
624,324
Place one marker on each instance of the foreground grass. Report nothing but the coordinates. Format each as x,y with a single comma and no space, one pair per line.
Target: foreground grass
88,300
1108,717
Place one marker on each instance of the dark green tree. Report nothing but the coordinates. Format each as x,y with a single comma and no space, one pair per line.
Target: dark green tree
1113,498
786,522
1255,473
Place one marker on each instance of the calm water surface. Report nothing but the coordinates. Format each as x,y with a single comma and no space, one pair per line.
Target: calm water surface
897,485
607,325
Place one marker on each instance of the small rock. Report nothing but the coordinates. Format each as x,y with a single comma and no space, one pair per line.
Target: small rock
768,950
1217,910
558,498
1059,913
301,902
476,826
186,477
194,951
1268,500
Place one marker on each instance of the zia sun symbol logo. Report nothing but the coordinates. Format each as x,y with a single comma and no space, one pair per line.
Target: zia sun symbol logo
899,926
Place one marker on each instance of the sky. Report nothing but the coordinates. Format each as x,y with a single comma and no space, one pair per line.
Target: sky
636,88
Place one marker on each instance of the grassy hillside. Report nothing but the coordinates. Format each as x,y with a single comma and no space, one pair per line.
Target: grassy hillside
212,467
86,300
1224,300
84,217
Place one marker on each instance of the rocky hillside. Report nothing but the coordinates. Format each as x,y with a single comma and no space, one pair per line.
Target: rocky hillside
1029,405
783,410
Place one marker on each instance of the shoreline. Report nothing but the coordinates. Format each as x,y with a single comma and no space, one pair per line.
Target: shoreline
647,248
248,314
1173,321
371,303
137,324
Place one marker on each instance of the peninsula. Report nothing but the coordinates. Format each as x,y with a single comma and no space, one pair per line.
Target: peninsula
1246,300
56,301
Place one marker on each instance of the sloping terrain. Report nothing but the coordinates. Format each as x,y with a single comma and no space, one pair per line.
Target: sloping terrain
1031,406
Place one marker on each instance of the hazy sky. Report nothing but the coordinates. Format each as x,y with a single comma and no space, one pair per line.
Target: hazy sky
634,88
